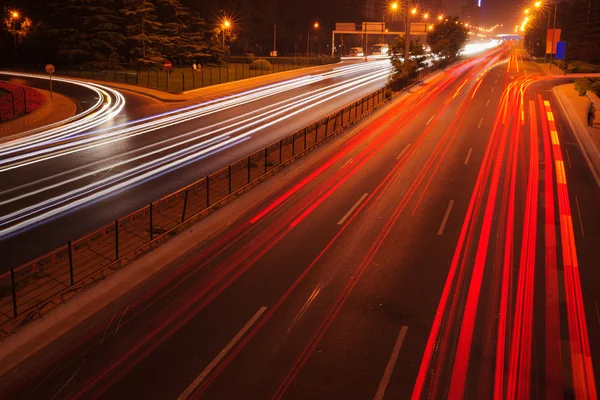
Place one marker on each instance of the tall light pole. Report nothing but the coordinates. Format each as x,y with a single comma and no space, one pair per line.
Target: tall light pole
412,11
14,17
226,25
393,7
316,26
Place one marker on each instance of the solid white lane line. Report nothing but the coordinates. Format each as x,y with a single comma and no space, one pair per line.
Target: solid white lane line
403,151
350,211
387,374
579,214
468,156
430,119
190,389
487,103
492,90
480,122
443,225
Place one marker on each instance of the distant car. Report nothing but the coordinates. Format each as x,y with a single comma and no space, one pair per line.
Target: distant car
380,49
357,52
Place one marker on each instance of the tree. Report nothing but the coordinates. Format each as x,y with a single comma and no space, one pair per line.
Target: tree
447,38
145,33
405,71
87,32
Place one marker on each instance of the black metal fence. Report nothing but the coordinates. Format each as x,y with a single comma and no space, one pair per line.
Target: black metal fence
185,78
28,289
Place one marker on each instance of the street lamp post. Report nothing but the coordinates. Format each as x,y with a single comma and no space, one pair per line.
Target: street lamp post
226,25
413,11
315,25
14,17
393,7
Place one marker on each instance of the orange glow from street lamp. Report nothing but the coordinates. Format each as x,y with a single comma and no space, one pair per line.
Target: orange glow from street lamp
430,27
413,11
14,14
316,25
226,24
440,17
394,6
538,4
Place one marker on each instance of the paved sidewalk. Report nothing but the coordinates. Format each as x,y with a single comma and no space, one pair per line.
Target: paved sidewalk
219,90
55,109
575,108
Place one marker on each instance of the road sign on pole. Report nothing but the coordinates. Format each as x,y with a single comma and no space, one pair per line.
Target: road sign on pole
50,70
561,49
168,66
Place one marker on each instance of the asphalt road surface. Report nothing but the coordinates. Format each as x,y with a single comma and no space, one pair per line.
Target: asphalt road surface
62,189
447,250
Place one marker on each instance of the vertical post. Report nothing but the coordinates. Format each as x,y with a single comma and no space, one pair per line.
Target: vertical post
14,291
202,78
210,72
12,95
193,79
207,192
219,74
317,130
552,51
266,157
184,205
116,239
71,275
305,138
235,72
229,168
151,224
182,81
249,169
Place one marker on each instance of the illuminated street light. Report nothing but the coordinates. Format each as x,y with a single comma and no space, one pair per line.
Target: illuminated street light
413,11
440,17
14,14
527,11
430,27
394,6
316,26
538,4
225,25
426,16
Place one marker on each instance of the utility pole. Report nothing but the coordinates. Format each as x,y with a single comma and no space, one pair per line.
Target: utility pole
274,39
407,34
552,51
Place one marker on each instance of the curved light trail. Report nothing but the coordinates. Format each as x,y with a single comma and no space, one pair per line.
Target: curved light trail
76,187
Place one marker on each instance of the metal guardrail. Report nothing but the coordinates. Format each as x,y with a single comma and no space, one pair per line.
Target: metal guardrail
35,287
31,289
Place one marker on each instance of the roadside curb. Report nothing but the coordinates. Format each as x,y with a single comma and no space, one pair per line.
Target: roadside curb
196,94
586,144
14,125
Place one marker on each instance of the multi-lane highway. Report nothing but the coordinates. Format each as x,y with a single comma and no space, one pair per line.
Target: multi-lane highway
448,249
57,186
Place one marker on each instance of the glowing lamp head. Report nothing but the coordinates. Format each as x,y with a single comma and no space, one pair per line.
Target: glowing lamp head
440,17
538,4
413,11
227,23
394,6
14,14
316,25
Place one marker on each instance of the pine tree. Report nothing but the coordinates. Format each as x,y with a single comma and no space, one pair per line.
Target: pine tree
145,33
87,32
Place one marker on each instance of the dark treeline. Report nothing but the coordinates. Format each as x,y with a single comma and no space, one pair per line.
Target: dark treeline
580,24
111,34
